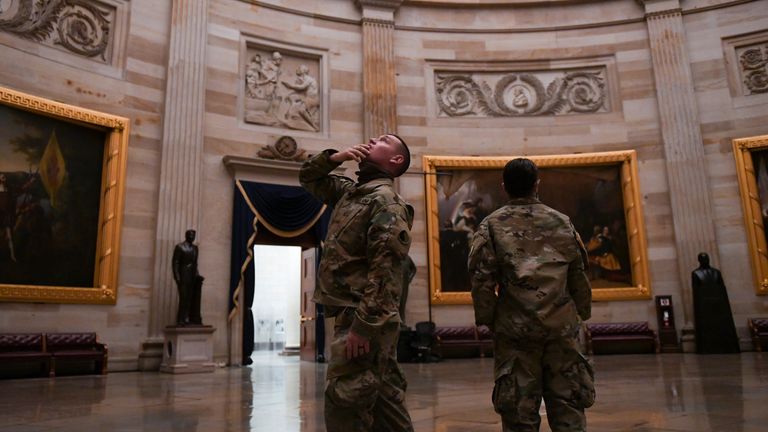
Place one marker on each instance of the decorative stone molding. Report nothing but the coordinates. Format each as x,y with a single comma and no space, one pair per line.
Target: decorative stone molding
285,148
529,93
284,87
746,63
82,27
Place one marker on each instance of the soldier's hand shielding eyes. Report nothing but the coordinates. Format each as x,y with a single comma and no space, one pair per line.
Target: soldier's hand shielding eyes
357,153
357,345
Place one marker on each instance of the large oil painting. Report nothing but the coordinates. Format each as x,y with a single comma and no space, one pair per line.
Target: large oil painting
61,181
597,191
752,169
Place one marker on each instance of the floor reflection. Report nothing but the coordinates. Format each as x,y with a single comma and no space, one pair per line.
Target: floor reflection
643,393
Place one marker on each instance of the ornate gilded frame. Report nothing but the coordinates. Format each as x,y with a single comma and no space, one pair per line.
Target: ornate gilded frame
750,202
104,290
640,289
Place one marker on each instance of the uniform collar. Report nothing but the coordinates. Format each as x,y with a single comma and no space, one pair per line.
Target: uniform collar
371,185
523,201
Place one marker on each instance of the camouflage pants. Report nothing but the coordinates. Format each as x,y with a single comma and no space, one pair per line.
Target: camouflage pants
554,370
365,394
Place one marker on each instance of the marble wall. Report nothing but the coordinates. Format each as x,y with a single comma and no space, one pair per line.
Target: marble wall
131,85
426,36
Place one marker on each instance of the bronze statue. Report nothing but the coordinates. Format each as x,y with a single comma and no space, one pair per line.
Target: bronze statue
188,281
715,331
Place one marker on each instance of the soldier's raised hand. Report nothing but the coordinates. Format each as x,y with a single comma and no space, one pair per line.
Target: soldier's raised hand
356,152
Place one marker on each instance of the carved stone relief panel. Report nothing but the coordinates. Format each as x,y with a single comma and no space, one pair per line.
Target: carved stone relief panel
81,27
283,87
753,67
521,93
746,58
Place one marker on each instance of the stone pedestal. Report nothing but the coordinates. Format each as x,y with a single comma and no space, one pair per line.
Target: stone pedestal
188,349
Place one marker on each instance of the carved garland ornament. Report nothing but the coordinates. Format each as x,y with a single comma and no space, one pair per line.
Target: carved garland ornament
754,68
520,94
80,26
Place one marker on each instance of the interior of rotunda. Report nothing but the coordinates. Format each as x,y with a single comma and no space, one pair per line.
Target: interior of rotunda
158,254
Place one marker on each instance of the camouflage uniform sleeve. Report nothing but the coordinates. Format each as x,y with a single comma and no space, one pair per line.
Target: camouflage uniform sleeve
578,283
388,242
483,274
316,178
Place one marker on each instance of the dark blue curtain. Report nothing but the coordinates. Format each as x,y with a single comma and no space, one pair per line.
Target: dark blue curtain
286,211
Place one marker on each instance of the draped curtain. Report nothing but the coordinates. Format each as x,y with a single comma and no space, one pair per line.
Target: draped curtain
286,211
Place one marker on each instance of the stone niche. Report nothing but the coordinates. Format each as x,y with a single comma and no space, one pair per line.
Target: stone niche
478,90
284,87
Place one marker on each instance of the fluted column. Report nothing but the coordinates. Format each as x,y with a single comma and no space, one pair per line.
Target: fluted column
684,151
379,86
181,163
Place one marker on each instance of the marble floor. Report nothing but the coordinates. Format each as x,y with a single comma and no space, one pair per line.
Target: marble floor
642,393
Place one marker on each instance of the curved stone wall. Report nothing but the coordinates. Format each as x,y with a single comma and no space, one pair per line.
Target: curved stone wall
436,46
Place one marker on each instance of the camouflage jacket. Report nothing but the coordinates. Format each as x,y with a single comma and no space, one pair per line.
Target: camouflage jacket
366,247
535,257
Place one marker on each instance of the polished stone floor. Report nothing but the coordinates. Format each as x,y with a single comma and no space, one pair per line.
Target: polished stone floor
642,393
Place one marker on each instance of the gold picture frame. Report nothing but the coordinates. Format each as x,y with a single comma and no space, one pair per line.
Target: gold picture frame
108,183
627,189
744,150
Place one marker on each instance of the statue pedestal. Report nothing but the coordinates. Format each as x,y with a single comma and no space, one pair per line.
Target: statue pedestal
188,349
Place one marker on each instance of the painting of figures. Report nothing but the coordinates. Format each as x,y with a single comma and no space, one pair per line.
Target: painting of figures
50,184
593,194
62,186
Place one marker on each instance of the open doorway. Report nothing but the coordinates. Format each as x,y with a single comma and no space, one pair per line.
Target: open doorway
277,294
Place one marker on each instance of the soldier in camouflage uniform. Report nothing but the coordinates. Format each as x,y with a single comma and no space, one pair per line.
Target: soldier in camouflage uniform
360,283
527,268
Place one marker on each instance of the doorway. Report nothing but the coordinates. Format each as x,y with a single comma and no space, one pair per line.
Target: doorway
277,291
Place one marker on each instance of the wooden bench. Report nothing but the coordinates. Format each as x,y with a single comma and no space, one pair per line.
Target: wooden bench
621,338
68,347
467,341
21,348
758,329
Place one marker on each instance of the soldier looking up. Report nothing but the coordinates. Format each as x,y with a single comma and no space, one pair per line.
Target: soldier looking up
535,257
360,283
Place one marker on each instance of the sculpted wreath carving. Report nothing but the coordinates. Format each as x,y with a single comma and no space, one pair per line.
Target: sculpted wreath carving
754,67
520,94
79,26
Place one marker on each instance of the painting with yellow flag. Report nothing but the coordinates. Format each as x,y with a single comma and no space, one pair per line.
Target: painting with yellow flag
50,184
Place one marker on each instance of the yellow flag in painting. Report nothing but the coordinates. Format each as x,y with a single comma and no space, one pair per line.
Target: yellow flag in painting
52,168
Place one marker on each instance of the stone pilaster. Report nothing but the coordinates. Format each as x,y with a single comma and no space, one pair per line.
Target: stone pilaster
684,152
181,164
379,86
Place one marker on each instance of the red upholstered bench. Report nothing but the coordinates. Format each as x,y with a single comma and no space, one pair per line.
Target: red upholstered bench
758,329
65,347
464,341
24,348
621,338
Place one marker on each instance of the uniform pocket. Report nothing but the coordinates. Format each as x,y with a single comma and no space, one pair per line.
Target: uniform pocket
505,394
357,390
584,384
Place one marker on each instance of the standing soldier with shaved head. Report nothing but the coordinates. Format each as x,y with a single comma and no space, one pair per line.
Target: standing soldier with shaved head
527,267
360,283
